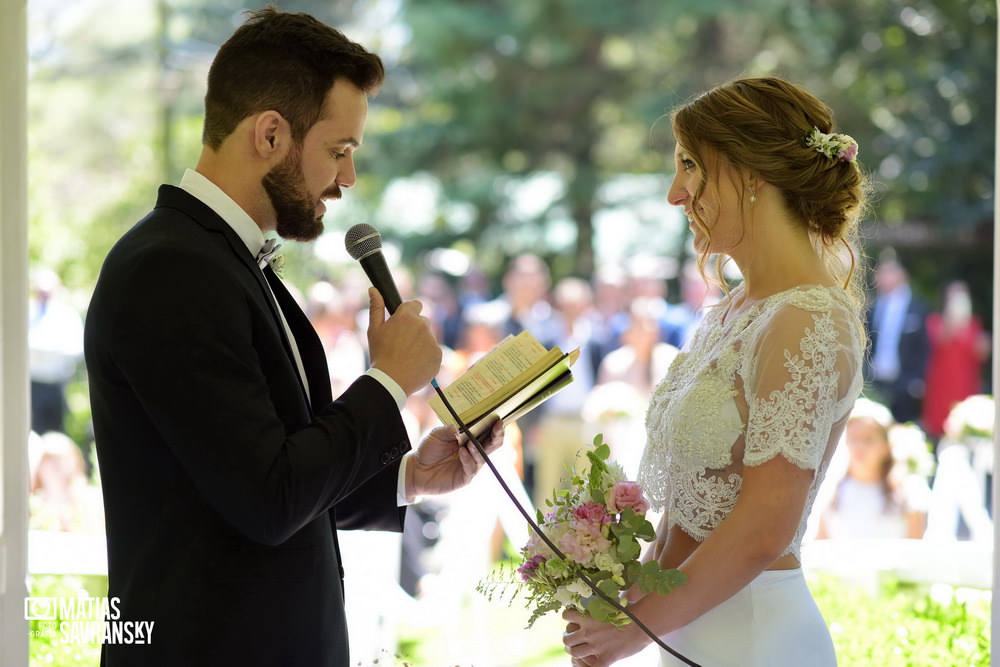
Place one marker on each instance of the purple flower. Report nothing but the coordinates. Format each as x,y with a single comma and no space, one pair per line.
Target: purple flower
530,566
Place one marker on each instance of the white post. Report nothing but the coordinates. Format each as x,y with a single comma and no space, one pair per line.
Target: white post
14,422
995,608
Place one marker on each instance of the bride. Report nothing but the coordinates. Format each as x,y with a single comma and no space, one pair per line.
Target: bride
741,430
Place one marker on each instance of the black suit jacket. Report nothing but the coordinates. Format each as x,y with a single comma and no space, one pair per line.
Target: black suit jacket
905,394
223,484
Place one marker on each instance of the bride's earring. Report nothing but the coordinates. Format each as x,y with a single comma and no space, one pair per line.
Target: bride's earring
753,195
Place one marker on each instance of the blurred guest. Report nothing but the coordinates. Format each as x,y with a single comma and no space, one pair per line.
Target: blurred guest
643,359
442,307
524,302
526,283
334,320
61,499
899,345
483,328
647,279
559,434
473,288
55,345
697,294
610,305
958,348
877,497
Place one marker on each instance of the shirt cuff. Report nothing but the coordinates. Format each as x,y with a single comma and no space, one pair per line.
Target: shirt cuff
399,396
391,386
401,500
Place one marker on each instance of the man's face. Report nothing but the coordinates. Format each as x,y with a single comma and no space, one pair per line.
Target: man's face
319,167
888,277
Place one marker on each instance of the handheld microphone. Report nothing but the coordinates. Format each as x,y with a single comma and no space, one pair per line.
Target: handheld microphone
364,243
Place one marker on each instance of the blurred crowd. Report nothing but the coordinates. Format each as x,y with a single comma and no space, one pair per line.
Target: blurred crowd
916,460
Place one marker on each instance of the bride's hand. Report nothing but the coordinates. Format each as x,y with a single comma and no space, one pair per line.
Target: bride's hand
594,644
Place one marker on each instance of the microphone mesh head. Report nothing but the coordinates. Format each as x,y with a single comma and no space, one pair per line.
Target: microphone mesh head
362,240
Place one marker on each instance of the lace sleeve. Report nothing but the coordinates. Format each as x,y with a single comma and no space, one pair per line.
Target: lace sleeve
803,366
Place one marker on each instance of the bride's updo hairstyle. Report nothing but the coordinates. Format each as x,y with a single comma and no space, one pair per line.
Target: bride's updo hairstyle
778,132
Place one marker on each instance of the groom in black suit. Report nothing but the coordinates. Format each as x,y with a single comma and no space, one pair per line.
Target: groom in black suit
227,465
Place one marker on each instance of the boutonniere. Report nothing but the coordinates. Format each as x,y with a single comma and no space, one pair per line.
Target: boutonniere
277,263
269,255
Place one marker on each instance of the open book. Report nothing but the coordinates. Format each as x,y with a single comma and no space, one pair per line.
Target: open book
509,381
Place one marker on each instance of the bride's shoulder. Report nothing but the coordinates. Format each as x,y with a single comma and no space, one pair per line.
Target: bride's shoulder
812,297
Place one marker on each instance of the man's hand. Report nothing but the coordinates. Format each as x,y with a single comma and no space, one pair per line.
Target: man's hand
403,346
445,460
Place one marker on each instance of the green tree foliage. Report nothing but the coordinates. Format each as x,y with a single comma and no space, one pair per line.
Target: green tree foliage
492,94
115,109
915,83
487,95
524,122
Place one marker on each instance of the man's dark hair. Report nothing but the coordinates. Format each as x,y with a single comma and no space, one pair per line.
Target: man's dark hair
286,62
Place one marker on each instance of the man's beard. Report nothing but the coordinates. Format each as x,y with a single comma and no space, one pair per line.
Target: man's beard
294,209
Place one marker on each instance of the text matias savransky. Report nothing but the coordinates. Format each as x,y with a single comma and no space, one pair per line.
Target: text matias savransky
93,620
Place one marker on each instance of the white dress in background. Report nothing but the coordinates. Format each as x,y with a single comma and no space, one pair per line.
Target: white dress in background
780,379
864,511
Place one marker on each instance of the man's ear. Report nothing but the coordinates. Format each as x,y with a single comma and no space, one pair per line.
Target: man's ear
271,134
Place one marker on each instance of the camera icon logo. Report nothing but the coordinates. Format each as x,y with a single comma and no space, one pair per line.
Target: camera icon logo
40,609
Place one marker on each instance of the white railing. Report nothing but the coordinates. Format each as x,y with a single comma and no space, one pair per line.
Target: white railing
957,563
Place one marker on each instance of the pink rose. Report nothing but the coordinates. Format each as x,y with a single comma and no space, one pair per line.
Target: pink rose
592,512
627,494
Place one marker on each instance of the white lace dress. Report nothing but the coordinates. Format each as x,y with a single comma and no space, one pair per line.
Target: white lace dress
779,379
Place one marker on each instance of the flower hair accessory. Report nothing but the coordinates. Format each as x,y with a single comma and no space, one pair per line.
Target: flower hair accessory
833,146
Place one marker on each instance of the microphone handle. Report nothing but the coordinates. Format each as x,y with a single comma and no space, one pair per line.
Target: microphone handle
378,273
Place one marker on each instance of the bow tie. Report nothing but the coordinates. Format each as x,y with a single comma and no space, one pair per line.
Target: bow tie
267,251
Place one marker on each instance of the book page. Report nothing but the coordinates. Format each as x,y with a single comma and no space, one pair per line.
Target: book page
506,362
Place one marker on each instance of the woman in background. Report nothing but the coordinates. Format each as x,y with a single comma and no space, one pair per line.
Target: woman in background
958,348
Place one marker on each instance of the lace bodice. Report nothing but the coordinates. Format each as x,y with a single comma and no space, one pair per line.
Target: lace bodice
779,379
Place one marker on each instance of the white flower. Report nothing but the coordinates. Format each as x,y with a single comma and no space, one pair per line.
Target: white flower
580,589
573,594
615,473
604,561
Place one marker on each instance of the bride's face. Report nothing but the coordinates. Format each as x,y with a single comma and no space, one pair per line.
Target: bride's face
711,192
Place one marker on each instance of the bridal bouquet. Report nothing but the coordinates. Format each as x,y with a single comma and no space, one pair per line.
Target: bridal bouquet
596,525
